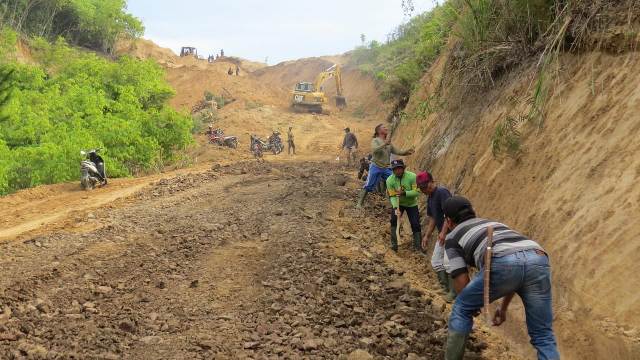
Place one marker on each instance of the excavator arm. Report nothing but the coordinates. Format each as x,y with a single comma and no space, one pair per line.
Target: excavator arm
335,72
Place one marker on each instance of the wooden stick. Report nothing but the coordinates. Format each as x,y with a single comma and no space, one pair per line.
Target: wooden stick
398,228
399,217
487,275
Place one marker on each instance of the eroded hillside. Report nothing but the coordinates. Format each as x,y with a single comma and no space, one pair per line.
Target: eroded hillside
571,184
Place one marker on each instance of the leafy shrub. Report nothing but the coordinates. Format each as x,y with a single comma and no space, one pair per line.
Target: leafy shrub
201,119
77,101
507,137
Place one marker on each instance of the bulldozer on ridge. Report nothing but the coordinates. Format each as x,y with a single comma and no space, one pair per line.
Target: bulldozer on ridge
189,51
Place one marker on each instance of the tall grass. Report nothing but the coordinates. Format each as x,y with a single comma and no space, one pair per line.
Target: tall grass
495,35
410,49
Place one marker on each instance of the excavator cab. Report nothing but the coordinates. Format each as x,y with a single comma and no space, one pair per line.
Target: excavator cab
188,51
305,87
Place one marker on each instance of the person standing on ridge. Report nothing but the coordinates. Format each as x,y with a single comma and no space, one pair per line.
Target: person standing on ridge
381,149
290,144
519,265
350,144
221,53
436,196
403,194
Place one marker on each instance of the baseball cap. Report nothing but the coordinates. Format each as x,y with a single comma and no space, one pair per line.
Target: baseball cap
458,209
423,178
397,163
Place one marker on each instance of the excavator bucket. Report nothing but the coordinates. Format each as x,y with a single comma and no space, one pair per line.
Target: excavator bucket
341,102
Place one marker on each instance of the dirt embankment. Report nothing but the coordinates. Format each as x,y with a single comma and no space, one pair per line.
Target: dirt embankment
573,188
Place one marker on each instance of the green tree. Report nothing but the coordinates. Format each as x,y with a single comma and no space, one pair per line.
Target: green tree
79,100
96,24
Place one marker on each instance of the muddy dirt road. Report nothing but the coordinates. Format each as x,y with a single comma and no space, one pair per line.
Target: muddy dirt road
244,261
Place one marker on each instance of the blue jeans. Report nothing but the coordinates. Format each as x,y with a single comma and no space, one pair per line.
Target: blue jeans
526,273
375,175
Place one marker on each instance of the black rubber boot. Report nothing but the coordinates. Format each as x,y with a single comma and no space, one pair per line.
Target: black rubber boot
451,296
394,239
361,197
443,279
455,345
417,241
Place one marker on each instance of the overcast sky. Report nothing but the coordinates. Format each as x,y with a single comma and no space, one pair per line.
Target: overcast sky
277,29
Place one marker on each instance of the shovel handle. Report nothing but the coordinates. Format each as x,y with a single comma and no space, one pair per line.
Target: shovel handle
487,275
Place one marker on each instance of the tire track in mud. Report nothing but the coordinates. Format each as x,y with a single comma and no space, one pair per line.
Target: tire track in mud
237,262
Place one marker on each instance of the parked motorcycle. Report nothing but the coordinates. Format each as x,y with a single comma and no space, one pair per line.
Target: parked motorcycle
256,147
92,170
275,143
217,137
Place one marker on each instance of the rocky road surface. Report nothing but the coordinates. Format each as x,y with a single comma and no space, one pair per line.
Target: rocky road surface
243,261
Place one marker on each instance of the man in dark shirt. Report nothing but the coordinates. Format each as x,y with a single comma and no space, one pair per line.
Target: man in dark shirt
436,196
519,265
350,144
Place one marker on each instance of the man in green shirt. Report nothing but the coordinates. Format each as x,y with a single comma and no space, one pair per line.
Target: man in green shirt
403,193
381,150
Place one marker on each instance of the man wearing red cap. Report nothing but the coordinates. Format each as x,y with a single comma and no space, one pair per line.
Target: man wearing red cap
436,196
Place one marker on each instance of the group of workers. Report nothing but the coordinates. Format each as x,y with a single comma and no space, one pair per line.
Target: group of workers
519,265
212,58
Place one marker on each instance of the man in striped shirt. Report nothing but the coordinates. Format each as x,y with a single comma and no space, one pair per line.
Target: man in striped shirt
519,266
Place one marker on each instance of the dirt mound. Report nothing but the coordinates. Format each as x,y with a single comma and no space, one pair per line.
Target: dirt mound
145,49
286,74
573,188
191,78
363,97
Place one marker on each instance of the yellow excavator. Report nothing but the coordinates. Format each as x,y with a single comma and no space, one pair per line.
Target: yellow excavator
309,97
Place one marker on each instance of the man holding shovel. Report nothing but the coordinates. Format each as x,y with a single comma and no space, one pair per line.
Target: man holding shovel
403,193
518,265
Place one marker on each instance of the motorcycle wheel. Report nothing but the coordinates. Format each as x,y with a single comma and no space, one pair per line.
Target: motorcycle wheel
233,144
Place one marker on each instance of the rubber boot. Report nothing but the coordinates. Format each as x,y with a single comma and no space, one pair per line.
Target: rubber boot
451,295
417,241
361,197
394,239
455,345
443,279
